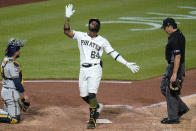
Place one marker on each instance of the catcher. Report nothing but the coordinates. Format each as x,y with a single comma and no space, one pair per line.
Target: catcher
172,80
12,92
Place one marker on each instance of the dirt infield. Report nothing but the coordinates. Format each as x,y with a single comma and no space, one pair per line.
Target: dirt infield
57,106
4,3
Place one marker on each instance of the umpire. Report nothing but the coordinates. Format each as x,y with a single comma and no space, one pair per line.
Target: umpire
175,71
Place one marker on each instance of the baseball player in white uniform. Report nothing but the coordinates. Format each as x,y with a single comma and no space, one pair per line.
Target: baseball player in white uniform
91,47
12,83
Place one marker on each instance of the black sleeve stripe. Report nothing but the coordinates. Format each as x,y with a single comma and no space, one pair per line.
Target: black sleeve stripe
110,52
117,56
66,29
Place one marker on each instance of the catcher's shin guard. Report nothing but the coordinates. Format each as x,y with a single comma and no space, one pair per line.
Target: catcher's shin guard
8,119
92,120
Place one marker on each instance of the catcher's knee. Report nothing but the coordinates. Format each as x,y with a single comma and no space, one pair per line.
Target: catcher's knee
9,119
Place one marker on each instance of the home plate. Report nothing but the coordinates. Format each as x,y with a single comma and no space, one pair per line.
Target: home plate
103,121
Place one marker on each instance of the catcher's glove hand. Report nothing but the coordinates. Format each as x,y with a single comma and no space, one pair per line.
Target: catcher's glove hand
24,106
175,87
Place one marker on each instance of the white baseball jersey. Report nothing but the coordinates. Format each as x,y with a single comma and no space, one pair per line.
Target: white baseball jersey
91,49
10,71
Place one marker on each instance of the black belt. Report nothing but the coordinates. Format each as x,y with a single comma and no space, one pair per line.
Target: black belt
8,79
87,65
8,88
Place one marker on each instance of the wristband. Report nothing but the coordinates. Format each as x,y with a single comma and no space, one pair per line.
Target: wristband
66,29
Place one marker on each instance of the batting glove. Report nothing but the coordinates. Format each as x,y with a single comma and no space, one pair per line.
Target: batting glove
69,10
133,67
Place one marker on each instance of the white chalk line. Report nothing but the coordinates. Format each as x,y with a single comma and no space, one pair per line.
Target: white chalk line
75,81
187,7
161,103
144,107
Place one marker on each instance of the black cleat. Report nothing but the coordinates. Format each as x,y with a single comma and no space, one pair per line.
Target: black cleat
183,112
167,121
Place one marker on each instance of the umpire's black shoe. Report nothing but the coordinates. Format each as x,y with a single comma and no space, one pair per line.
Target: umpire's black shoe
183,112
167,121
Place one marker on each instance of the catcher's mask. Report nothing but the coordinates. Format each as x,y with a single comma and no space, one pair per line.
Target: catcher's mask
13,46
96,27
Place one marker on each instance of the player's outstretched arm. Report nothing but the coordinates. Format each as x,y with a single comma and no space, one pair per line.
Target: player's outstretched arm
131,65
68,13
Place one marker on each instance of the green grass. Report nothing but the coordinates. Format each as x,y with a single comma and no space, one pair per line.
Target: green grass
48,53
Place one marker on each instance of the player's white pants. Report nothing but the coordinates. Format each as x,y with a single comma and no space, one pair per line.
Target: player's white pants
89,79
10,97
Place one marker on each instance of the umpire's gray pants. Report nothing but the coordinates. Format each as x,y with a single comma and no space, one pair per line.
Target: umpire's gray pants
174,103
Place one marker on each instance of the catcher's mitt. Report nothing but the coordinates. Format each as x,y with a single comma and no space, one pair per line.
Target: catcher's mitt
175,87
24,106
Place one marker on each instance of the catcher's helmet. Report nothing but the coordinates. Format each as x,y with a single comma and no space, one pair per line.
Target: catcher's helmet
13,46
97,27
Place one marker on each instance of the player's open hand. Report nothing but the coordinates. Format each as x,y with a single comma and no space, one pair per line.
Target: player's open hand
69,10
132,66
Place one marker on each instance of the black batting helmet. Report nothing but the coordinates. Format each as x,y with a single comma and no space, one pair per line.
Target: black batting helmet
97,27
13,46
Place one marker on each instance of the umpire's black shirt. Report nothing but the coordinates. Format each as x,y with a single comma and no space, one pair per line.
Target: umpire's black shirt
175,46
